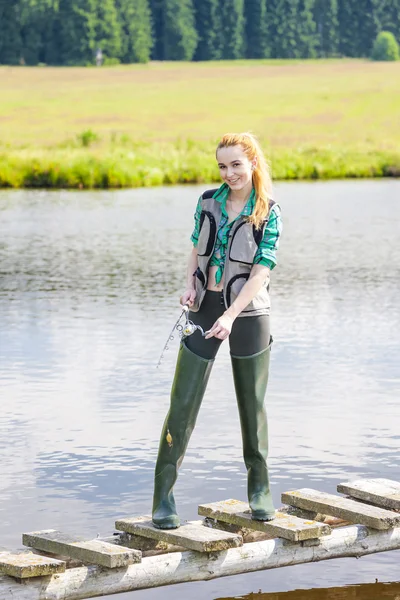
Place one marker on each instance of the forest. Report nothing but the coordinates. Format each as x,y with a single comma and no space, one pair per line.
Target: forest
70,32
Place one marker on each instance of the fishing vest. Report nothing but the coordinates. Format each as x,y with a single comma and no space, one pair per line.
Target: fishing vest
243,243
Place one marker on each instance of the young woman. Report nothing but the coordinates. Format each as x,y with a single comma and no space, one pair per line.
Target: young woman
236,234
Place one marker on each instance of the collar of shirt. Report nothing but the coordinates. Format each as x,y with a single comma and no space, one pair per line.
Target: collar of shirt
221,196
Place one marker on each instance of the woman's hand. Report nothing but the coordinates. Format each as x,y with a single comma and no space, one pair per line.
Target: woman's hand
188,297
221,328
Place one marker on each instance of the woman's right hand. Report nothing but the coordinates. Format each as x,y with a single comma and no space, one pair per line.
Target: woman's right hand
188,297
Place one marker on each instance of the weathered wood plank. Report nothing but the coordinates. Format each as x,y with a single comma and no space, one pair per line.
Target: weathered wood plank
310,515
192,535
70,563
251,535
169,569
147,546
285,526
88,551
344,508
380,492
27,564
248,535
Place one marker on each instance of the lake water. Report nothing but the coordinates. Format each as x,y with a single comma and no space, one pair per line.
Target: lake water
89,287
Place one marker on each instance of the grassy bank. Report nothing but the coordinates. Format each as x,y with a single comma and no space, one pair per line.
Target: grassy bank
119,168
158,123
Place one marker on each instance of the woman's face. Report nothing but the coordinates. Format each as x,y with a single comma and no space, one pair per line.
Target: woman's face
235,168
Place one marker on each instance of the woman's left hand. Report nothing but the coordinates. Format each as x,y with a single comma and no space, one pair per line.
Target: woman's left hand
221,328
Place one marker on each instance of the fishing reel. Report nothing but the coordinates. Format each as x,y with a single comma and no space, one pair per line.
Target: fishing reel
184,329
189,327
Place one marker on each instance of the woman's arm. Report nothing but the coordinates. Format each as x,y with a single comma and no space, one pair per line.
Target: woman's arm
221,329
259,275
189,295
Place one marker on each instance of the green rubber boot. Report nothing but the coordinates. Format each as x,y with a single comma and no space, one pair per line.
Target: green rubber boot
190,382
250,374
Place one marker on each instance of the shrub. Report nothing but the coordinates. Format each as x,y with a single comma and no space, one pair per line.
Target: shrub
87,138
385,47
111,62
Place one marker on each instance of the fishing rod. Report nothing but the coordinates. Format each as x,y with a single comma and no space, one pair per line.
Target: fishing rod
184,330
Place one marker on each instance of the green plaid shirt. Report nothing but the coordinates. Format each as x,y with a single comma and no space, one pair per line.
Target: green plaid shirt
266,253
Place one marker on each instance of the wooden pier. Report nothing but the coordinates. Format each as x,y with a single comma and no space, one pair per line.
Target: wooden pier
313,526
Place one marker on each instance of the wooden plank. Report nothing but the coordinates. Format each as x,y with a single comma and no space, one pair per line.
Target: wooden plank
344,508
380,492
285,526
180,567
311,515
27,564
248,535
88,551
147,546
192,535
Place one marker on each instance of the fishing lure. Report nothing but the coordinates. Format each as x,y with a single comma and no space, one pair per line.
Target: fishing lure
184,330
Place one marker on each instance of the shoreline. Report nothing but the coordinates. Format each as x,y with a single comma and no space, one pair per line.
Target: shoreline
114,168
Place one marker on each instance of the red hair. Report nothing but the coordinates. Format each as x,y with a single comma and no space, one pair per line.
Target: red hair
261,175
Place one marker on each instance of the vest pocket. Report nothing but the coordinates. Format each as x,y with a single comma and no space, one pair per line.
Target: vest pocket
208,231
259,302
234,286
243,246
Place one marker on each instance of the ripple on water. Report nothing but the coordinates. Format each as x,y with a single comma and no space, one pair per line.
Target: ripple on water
88,296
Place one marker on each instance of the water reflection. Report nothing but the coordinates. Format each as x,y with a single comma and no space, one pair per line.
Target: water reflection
374,591
88,294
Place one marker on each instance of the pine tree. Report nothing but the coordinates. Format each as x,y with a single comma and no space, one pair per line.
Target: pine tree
51,35
10,37
346,28
358,26
367,25
36,25
108,29
157,27
306,41
326,19
282,28
256,29
76,26
135,23
232,31
31,32
208,26
179,32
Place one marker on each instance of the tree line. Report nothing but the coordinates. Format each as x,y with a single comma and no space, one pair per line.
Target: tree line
69,32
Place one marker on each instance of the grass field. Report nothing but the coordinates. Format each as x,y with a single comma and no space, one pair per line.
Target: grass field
158,123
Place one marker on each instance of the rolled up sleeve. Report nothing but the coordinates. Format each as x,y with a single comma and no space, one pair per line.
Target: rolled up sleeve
266,253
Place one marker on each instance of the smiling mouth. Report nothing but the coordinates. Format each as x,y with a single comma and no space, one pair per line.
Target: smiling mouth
233,181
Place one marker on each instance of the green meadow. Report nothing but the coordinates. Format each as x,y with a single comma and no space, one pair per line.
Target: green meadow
154,124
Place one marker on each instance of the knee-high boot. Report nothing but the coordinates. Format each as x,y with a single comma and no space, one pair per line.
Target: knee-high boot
191,376
250,375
